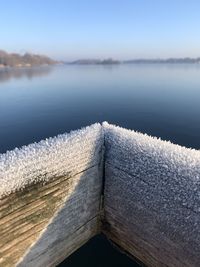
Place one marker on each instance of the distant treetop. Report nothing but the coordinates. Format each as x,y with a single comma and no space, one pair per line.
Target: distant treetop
26,60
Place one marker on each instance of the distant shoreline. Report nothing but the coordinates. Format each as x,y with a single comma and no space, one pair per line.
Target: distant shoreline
26,60
134,61
7,68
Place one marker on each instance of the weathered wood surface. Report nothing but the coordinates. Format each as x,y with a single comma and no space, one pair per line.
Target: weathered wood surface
63,155
54,219
152,198
50,198
151,206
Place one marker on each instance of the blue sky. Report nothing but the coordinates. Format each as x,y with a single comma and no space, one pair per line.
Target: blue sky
70,29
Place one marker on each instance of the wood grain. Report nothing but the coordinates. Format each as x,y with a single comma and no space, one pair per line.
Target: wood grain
147,225
26,215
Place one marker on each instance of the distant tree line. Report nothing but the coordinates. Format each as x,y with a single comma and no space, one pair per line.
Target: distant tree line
17,60
95,61
168,60
108,61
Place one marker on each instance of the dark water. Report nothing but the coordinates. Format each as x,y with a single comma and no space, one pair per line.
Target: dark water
161,100
98,253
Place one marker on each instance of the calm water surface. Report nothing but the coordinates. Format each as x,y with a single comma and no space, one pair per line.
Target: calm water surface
98,252
161,100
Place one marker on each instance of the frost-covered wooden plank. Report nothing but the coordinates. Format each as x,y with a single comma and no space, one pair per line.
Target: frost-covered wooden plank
50,205
50,198
152,198
54,157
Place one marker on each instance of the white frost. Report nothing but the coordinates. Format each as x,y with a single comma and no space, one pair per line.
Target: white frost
173,170
69,153
57,156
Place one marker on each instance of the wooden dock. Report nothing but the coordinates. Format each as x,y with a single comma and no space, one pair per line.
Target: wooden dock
141,192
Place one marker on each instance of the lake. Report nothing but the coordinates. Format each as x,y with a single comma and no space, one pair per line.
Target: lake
160,100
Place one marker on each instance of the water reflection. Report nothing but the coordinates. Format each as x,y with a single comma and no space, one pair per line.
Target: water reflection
7,74
160,100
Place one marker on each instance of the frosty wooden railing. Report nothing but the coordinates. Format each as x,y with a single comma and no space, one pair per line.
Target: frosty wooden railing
51,198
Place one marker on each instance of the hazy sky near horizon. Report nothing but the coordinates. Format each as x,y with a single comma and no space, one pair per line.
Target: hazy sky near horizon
122,29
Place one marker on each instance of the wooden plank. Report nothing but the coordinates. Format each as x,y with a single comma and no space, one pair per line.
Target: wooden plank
152,198
150,208
147,225
59,251
47,214
64,155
